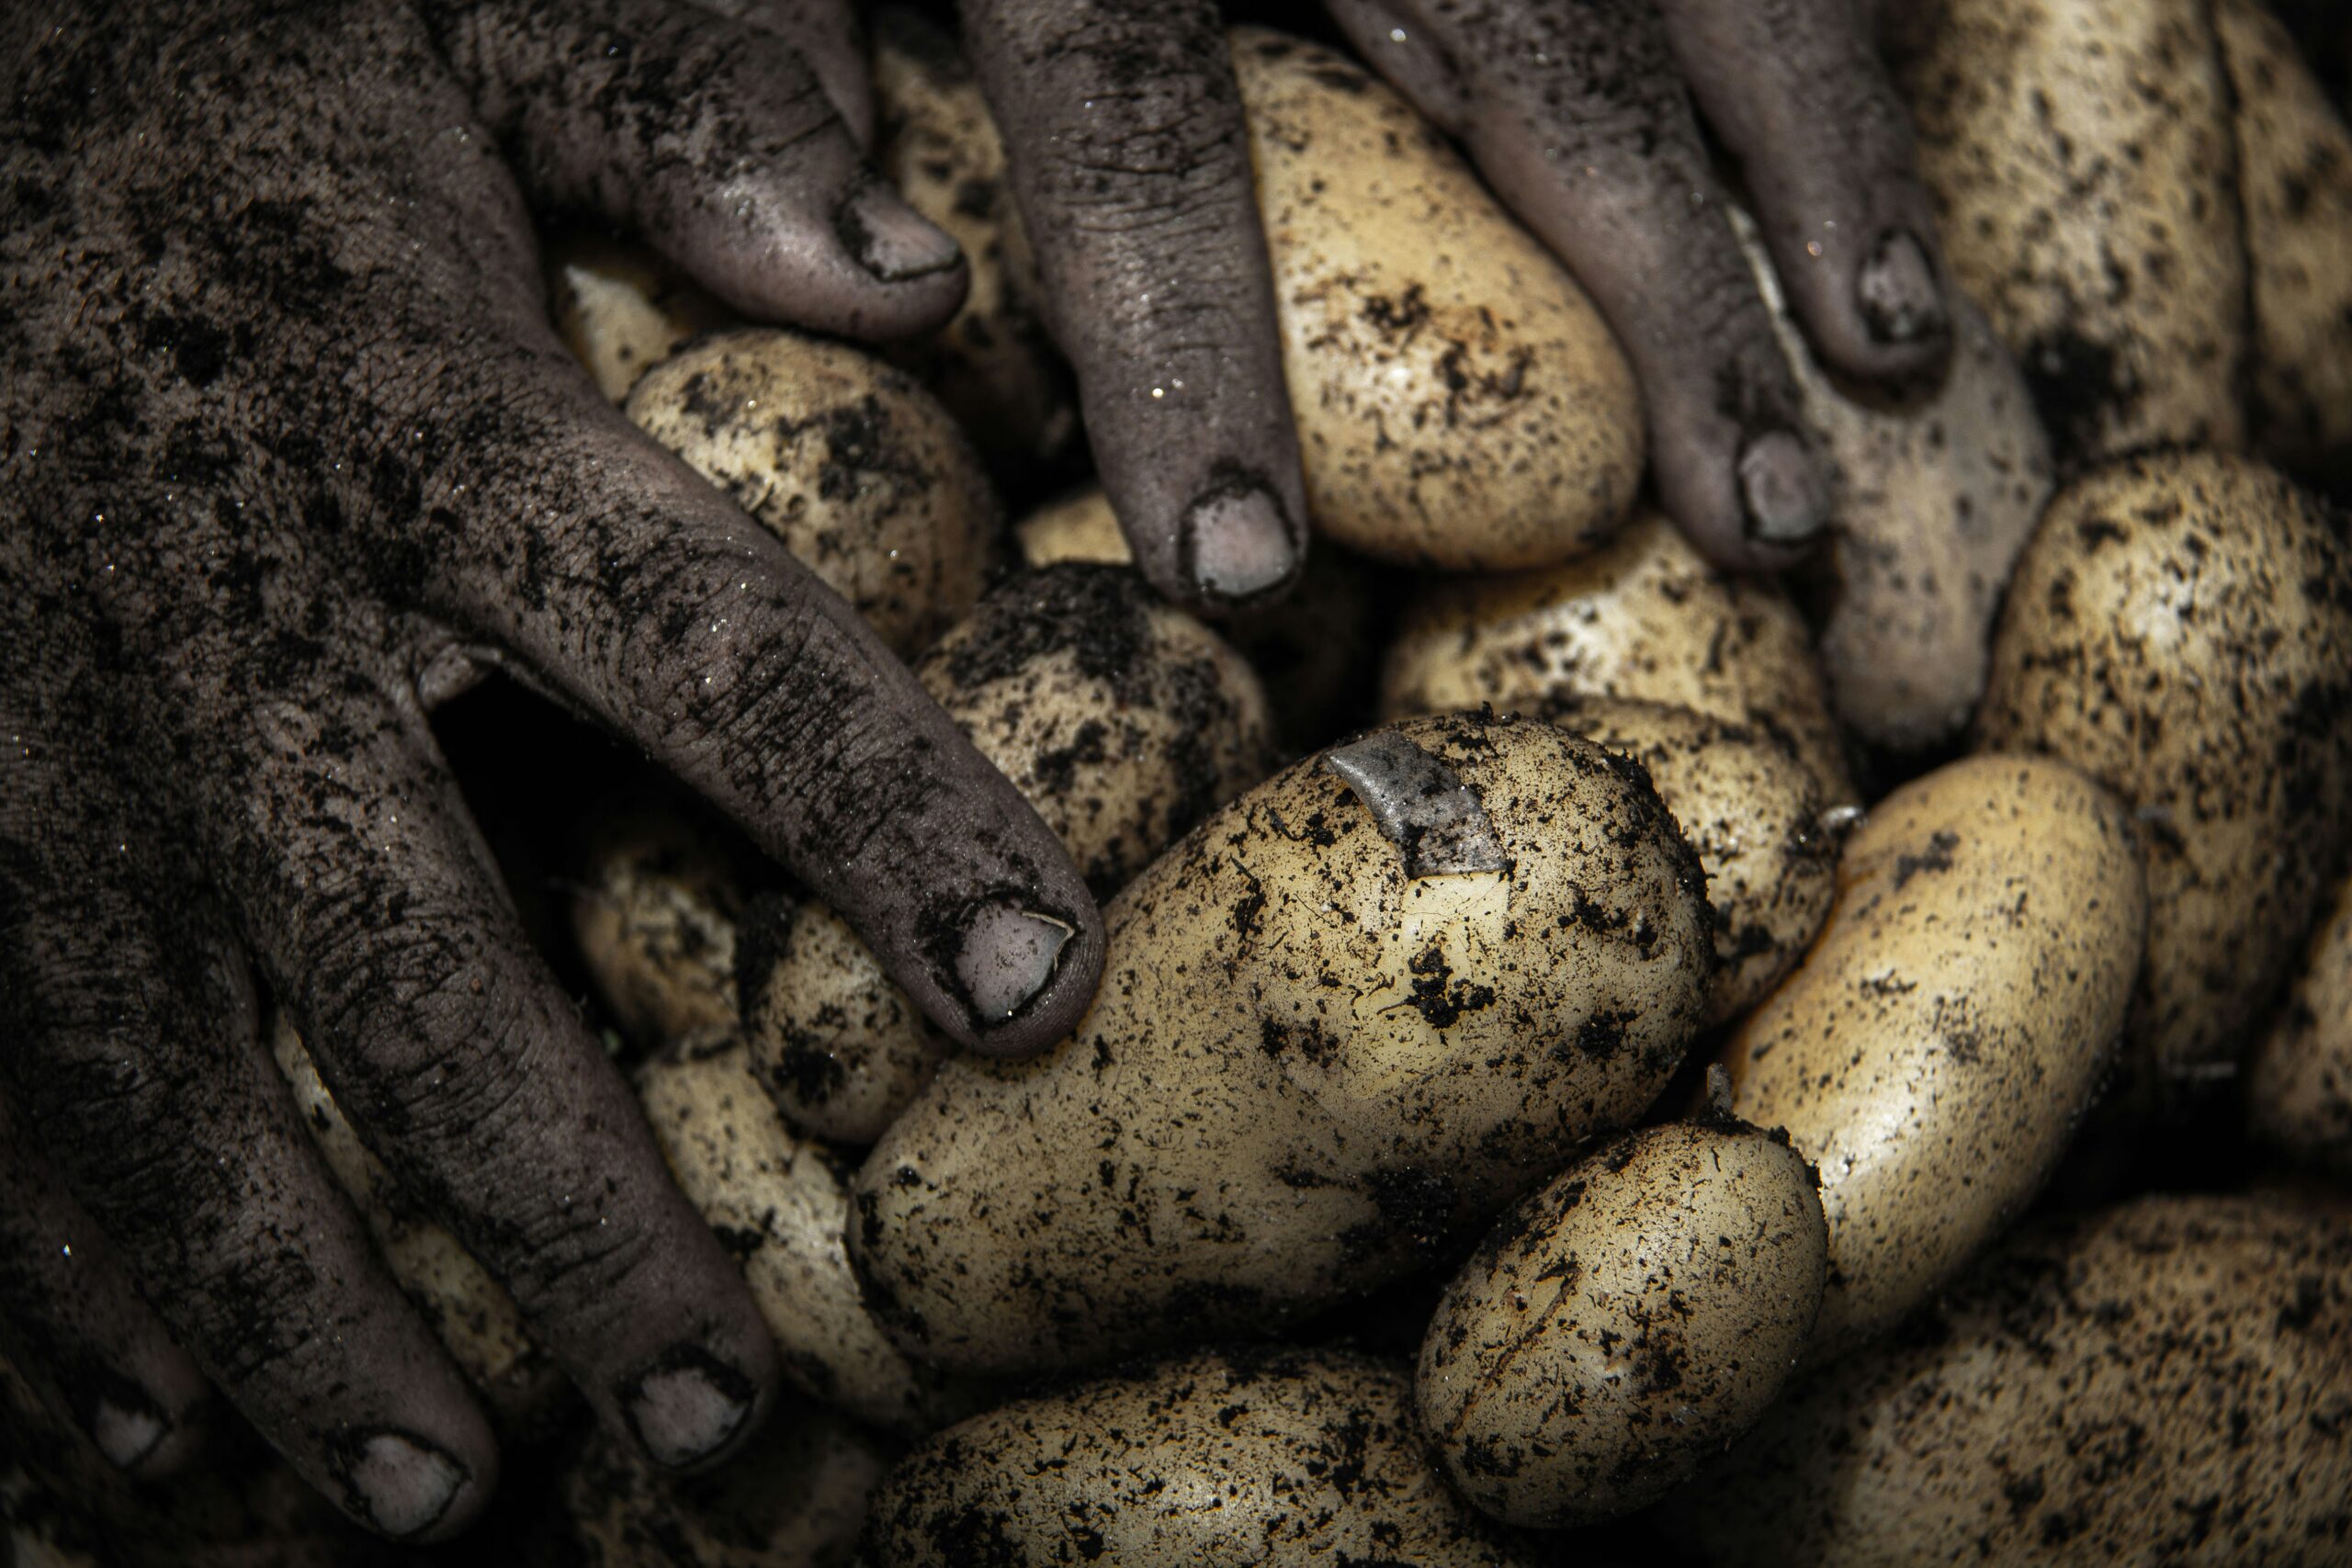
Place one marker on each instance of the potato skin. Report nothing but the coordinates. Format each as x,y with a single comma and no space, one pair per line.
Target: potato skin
1624,1324
655,916
1297,1457
2299,1081
1304,1069
849,462
622,308
2163,1382
1935,1050
1645,618
2181,630
1460,401
1749,808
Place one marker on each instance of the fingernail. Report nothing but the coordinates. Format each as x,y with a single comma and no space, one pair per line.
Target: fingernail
686,1406
1235,545
126,1425
1008,955
1897,293
890,239
1780,491
399,1484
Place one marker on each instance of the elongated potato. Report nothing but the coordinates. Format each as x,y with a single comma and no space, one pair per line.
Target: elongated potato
2162,1384
622,308
2299,1083
1624,1324
2181,629
849,461
1460,401
655,916
1362,1007
780,1204
1749,807
1645,618
1935,1050
1292,1457
1121,719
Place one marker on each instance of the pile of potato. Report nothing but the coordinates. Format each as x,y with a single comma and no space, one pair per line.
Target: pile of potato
1594,1054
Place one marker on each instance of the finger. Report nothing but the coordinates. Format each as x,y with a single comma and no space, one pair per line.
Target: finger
1129,157
1577,116
826,34
74,1323
715,141
375,909
1796,91
134,1051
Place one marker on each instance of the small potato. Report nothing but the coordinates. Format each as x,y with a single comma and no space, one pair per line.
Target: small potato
993,365
2181,630
2166,1382
780,1204
1936,1049
795,1498
1287,1457
1645,618
849,462
1460,401
472,1314
1624,1324
1361,1008
1749,808
622,308
2084,165
655,916
2299,1083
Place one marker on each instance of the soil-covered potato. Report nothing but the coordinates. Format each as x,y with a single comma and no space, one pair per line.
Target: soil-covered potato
780,1203
1645,618
1460,401
1936,1049
470,1312
2299,1083
1624,1324
849,461
1289,1457
1120,717
1358,1010
993,365
655,913
622,308
2167,1382
2181,630
1748,807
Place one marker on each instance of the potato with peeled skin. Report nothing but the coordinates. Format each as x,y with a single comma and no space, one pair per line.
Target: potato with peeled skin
2180,630
1624,1324
1359,1008
1936,1049
2164,1383
1282,1457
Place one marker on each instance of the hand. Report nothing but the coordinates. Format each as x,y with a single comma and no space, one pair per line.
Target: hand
287,453
1125,139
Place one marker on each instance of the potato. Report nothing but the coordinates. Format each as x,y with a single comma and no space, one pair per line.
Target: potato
2164,1383
2082,162
655,915
1361,1008
993,366
1935,1050
2298,1082
1936,495
1460,401
1749,808
472,1314
1314,650
1646,618
2181,629
622,308
1121,719
1623,1324
849,462
1297,1457
795,1498
780,1203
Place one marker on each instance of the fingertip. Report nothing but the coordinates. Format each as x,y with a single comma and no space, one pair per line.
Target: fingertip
411,1486
149,1424
890,239
1237,546
691,1405
1759,503
1026,976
